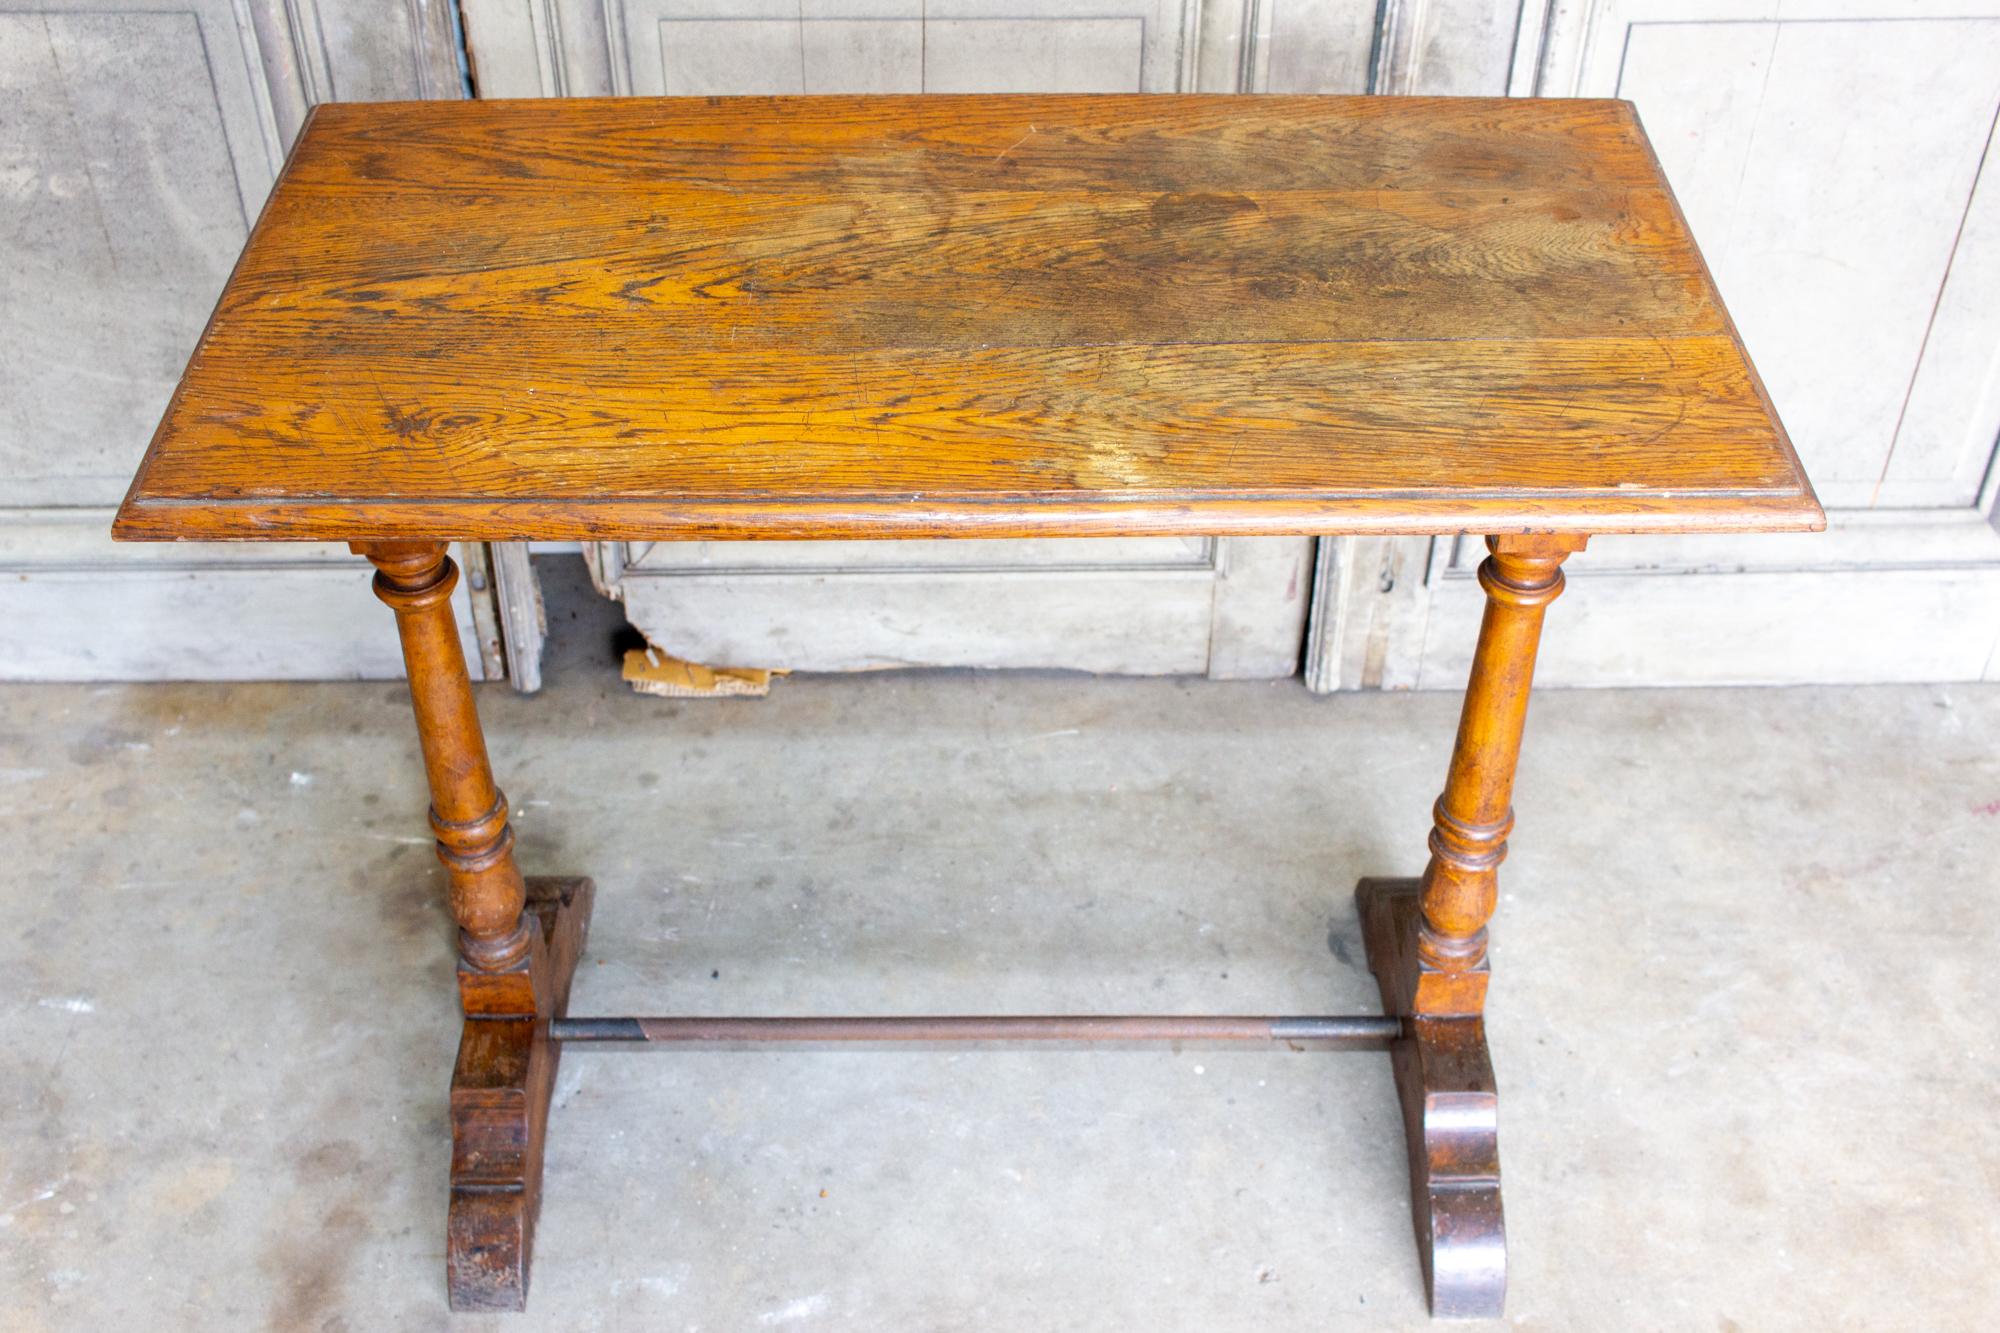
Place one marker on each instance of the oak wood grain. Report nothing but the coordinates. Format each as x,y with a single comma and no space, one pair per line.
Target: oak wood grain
977,316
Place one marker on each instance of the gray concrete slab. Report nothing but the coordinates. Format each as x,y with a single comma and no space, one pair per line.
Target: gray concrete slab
1740,1013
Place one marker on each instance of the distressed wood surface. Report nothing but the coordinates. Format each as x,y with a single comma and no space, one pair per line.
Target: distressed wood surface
977,316
1451,1116
501,1085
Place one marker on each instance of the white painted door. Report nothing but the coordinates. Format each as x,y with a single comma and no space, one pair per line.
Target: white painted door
1833,156
138,139
1836,161
1225,608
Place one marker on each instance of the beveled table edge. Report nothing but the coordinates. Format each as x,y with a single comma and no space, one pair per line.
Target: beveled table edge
615,518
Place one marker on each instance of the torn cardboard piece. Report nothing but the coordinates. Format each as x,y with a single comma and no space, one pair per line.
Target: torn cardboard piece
650,671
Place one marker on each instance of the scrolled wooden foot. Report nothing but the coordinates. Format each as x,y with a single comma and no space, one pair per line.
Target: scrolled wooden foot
500,1089
1450,1116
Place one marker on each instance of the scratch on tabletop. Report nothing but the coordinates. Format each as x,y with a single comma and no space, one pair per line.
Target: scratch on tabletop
1033,130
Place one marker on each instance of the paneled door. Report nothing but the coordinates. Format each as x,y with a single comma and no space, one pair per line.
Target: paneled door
1836,160
138,139
1222,608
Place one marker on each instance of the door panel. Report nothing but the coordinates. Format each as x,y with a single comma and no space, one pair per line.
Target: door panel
723,47
1138,622
1828,168
134,167
1229,609
75,606
1305,47
537,48
883,557
1868,600
1945,445
137,140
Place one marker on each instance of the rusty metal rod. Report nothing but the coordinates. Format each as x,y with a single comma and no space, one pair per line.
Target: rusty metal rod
1365,1030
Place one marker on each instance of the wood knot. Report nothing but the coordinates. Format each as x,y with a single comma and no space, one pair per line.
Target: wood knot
1183,210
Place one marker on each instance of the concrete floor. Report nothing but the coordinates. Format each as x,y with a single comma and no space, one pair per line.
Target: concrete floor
1741,1016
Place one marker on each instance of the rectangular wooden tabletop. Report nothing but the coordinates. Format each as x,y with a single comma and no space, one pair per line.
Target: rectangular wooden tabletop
967,316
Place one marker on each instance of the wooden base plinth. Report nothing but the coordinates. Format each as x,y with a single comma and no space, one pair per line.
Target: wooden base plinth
1450,1117
500,1092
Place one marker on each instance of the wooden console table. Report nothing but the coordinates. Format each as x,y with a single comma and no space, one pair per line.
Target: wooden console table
826,318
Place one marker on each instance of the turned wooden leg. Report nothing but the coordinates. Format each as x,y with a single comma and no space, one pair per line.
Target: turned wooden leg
518,939
1426,942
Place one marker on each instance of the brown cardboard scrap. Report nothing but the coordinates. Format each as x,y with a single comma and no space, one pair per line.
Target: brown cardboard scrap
650,671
